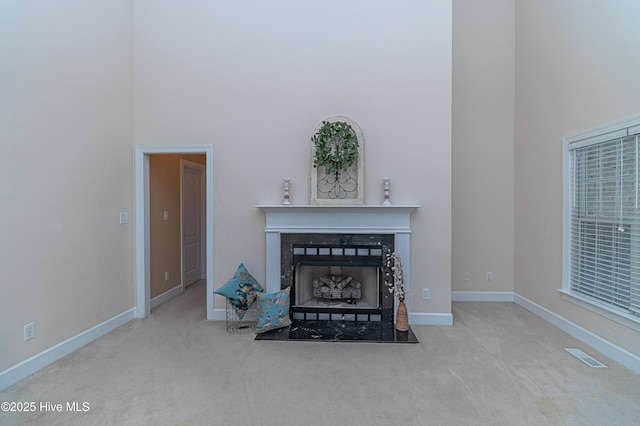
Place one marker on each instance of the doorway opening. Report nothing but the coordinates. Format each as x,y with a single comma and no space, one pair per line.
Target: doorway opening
143,223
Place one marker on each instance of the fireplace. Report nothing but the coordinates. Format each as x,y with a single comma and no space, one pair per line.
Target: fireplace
338,277
316,249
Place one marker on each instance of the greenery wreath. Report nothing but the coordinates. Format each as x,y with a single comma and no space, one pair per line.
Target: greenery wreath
336,146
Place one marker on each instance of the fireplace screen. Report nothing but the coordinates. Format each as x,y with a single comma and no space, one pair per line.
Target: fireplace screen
337,282
337,286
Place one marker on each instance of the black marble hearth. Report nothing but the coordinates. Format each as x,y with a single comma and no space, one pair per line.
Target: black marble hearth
340,331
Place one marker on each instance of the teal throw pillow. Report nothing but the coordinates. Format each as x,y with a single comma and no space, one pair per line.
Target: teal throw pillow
273,310
240,290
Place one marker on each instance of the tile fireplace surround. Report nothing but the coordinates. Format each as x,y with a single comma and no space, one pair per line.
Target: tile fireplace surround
341,220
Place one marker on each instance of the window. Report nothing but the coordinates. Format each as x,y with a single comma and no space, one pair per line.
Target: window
602,217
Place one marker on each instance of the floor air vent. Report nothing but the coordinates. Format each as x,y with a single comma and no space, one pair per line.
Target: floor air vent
587,359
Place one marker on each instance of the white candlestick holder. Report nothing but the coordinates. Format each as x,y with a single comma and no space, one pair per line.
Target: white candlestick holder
387,184
285,187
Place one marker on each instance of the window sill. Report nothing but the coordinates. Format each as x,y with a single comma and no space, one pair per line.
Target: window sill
628,320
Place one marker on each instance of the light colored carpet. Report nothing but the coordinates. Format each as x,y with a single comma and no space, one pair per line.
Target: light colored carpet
497,365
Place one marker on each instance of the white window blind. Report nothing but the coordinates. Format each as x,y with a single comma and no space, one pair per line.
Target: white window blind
604,234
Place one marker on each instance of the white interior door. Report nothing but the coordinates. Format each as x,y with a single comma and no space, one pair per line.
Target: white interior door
192,222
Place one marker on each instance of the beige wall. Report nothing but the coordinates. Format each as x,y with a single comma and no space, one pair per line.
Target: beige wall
66,170
578,66
254,78
483,149
164,195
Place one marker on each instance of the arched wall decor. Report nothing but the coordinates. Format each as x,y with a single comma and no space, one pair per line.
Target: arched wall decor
341,186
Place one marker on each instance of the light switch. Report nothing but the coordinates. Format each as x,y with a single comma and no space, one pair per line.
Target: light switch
124,218
166,215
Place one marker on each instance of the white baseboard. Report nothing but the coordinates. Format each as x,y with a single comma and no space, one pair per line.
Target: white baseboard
167,295
482,296
29,366
420,318
24,369
615,352
219,314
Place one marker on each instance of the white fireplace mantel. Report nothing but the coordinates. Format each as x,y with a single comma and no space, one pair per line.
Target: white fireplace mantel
336,219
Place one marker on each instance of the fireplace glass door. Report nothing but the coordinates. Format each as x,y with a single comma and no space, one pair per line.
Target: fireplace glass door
337,282
355,287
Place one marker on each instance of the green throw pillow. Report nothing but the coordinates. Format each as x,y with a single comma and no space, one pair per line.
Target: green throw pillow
240,290
272,310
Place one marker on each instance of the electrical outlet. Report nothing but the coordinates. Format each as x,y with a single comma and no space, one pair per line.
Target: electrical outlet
29,331
489,277
124,218
166,215
426,294
466,276
166,276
